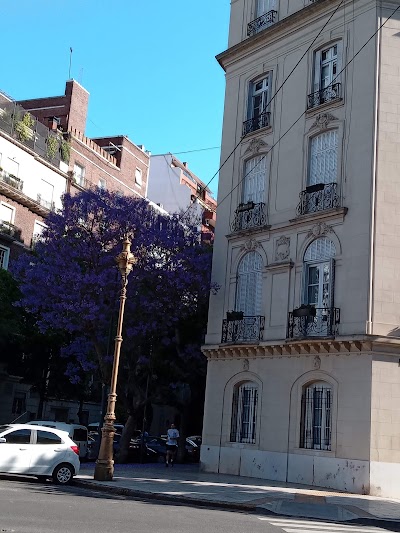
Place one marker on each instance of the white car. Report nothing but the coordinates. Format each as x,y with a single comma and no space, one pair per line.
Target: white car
38,451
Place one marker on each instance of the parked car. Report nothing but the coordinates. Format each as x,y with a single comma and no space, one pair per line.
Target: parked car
192,451
38,451
197,439
76,432
155,449
93,445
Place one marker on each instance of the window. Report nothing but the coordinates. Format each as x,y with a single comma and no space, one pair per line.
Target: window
79,173
326,82
265,15
6,213
102,185
19,403
319,270
45,197
138,176
11,166
46,437
255,180
264,6
20,436
323,158
249,285
4,257
258,107
316,416
244,413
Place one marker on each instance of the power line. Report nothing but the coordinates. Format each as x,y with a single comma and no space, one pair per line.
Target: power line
191,151
278,90
304,112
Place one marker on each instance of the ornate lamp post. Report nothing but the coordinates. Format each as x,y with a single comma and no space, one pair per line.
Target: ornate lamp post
104,470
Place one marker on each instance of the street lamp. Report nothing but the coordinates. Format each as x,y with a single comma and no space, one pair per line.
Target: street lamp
104,470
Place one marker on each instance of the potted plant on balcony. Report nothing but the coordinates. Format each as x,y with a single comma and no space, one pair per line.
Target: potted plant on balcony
305,310
24,127
51,146
65,150
232,316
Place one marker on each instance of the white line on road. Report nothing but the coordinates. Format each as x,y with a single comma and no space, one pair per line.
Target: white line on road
306,526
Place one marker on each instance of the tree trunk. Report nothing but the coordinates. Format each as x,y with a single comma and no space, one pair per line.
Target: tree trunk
126,436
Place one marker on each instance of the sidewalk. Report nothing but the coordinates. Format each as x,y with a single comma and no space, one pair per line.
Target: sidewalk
187,484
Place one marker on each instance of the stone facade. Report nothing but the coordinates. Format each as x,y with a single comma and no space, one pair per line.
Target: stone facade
302,337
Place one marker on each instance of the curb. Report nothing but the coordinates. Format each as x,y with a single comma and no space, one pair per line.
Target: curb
391,525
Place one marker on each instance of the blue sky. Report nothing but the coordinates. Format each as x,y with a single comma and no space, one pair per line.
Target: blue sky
149,66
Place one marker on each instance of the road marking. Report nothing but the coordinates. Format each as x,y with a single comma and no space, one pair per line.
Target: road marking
307,526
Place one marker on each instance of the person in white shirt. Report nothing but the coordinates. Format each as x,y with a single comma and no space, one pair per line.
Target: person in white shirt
172,445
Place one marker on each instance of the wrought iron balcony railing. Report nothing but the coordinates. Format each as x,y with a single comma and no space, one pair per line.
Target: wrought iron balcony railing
6,228
310,321
262,22
239,328
318,197
254,124
330,93
11,180
249,215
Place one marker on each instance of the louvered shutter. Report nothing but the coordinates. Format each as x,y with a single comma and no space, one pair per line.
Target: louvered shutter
255,179
323,158
317,72
249,285
332,283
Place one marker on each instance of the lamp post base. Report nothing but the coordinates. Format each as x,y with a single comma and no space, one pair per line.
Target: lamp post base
104,470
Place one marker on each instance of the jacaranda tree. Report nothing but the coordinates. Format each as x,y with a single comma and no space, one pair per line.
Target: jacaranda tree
71,283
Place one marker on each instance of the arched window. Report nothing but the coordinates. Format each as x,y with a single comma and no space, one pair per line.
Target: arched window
255,180
244,413
249,285
316,416
319,271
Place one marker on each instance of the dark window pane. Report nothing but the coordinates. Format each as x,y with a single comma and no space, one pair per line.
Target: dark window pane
20,436
45,437
79,434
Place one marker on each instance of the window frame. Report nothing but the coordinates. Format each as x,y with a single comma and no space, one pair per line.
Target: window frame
316,71
258,284
6,257
307,417
236,418
12,209
138,176
82,175
264,78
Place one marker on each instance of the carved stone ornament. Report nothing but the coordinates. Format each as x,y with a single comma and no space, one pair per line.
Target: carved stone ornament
282,248
246,364
250,245
317,362
319,229
322,120
256,145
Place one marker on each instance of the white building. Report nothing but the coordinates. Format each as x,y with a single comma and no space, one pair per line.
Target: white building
303,338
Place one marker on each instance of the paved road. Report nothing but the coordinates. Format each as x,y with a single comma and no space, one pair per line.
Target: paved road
27,506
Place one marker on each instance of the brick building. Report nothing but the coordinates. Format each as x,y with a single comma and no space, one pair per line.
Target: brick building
44,153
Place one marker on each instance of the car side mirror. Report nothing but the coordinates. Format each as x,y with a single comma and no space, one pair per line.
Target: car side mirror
2,440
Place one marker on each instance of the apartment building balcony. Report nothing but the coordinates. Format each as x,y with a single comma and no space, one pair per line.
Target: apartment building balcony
329,94
239,328
47,204
9,230
11,180
318,197
262,22
249,215
309,321
256,123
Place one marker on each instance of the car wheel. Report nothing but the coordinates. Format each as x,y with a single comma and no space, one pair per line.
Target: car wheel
63,474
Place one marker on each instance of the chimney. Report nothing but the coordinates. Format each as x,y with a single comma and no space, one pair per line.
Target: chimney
185,164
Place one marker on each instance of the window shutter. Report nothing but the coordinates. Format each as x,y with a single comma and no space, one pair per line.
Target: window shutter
317,71
261,7
332,283
255,180
339,62
304,299
249,285
323,158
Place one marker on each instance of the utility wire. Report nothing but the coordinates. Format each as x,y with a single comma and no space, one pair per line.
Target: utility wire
304,112
276,93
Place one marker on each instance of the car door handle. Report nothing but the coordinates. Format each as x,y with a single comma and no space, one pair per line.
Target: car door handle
23,449
58,449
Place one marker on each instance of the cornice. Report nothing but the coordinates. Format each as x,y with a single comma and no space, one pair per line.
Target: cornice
287,24
312,346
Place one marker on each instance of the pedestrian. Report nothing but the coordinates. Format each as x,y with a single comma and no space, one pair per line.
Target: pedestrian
172,445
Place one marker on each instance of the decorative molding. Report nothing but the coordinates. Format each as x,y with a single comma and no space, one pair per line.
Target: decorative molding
320,229
246,365
282,266
250,245
256,145
322,120
282,248
317,362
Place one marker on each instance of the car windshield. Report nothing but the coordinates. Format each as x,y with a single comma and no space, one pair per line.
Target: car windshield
4,428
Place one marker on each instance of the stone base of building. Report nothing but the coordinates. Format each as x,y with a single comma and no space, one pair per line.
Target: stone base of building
359,477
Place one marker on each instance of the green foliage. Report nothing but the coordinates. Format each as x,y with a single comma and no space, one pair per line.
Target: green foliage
65,150
51,146
24,127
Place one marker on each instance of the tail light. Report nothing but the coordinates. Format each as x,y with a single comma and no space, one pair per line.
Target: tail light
75,449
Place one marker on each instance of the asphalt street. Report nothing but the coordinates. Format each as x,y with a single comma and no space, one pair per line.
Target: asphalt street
27,506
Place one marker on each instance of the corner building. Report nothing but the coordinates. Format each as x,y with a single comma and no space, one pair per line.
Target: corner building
303,341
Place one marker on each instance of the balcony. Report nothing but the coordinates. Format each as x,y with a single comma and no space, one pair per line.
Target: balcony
319,197
249,215
261,23
309,321
239,328
323,96
9,230
254,124
11,180
45,203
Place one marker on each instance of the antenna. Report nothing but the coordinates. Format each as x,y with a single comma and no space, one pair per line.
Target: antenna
70,62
